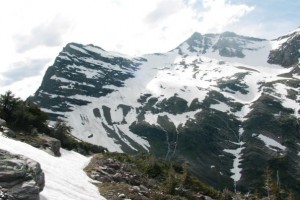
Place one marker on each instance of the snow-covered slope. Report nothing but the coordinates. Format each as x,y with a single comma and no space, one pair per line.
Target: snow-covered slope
206,101
64,176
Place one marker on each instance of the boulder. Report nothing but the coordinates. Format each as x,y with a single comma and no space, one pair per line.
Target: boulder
52,143
3,194
108,170
9,133
21,178
2,122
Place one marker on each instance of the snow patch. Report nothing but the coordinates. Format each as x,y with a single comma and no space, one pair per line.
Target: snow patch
176,119
64,57
282,90
78,49
270,143
221,107
236,170
64,80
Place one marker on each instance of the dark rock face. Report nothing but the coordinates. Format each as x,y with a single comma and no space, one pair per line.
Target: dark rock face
288,53
81,70
139,177
2,122
111,170
20,177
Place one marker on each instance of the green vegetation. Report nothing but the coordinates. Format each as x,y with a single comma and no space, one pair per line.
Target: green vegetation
62,132
165,179
21,115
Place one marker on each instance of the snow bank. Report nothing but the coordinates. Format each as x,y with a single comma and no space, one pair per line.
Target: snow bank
65,179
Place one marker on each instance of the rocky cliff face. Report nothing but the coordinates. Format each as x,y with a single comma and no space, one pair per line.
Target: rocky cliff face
288,52
226,103
20,177
82,70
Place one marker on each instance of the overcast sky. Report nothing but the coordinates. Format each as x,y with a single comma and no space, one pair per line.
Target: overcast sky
33,32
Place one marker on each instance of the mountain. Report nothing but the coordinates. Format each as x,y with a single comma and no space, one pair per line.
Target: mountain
225,103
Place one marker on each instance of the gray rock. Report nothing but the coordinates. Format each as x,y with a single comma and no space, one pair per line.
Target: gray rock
34,131
2,122
21,178
8,132
122,196
136,188
52,143
142,187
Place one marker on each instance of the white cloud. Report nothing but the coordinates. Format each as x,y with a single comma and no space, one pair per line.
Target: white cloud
34,29
46,34
163,10
221,13
22,70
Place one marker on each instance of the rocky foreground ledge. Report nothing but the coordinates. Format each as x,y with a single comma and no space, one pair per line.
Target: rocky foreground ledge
21,178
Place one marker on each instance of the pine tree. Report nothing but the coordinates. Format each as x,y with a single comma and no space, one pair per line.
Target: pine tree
256,195
291,196
185,174
61,129
171,181
268,182
8,104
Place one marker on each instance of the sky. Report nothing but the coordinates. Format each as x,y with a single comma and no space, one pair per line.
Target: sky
33,32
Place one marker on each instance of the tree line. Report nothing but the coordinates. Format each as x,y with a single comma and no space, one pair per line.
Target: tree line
20,114
27,118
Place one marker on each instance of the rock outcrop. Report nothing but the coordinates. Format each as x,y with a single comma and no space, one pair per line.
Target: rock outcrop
8,132
142,177
111,170
2,122
52,144
21,178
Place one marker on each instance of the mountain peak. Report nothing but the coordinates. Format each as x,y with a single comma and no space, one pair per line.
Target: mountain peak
195,35
85,49
228,34
227,44
296,31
